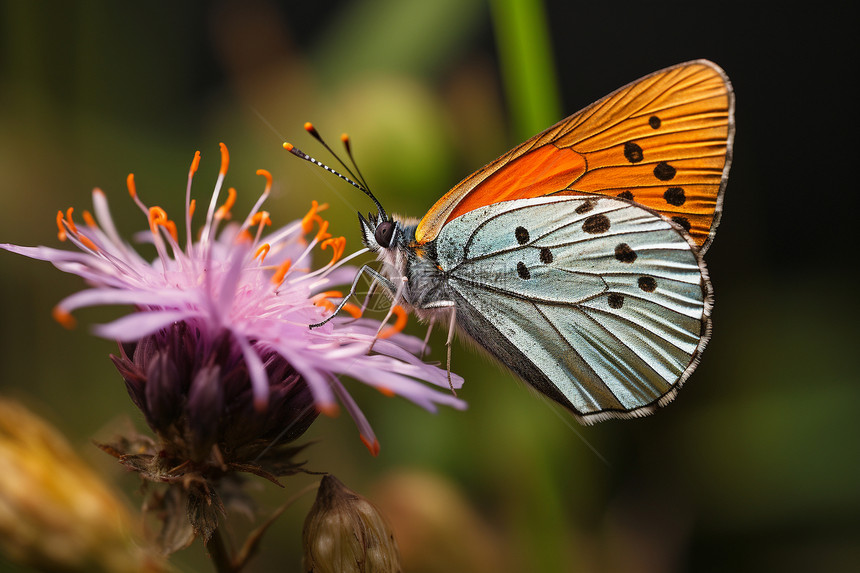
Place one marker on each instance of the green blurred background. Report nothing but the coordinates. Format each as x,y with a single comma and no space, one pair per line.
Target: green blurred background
754,467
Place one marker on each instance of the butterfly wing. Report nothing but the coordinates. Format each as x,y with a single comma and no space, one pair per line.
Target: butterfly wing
663,141
599,303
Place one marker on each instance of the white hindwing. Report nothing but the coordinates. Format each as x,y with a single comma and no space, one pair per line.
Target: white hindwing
607,300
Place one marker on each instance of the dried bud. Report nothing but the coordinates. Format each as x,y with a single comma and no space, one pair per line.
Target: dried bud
345,533
55,513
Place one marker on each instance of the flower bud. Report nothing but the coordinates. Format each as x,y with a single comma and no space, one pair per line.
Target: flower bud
345,533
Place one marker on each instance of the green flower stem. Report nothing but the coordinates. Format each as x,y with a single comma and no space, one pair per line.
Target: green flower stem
528,72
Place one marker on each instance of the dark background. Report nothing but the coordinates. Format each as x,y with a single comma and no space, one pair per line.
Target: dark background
754,467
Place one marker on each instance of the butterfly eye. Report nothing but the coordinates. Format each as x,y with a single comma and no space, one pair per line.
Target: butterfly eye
384,232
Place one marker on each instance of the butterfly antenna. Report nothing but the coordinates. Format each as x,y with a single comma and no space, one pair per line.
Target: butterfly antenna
360,186
348,146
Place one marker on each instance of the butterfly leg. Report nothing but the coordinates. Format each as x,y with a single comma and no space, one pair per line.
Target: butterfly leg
377,279
370,292
398,292
427,337
453,322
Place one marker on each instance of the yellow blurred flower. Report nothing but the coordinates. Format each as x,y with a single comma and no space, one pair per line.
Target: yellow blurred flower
55,512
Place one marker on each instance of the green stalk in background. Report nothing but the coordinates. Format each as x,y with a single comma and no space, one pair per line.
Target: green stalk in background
528,71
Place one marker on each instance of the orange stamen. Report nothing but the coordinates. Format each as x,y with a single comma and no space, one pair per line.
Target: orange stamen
64,318
129,182
353,310
322,234
308,220
171,228
331,410
88,243
195,163
338,245
261,217
223,211
158,218
88,219
157,214
279,275
191,207
225,159
372,447
386,391
61,230
399,324
69,220
262,252
326,304
268,177
328,294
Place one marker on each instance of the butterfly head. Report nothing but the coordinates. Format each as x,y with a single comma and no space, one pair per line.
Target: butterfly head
378,232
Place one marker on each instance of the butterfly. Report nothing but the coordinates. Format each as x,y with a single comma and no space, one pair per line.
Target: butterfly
575,259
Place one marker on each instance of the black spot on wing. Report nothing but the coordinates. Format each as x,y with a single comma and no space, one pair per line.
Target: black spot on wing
625,254
585,207
616,300
664,172
545,256
648,284
522,235
596,224
523,271
683,222
633,153
675,196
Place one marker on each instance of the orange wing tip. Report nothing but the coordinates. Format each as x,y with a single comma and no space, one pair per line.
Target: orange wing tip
399,324
61,230
64,318
195,163
372,447
225,159
129,182
331,409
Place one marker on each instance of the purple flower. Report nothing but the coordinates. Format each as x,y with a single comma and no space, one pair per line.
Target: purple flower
220,332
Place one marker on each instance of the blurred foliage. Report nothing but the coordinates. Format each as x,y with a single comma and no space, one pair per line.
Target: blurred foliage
754,467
